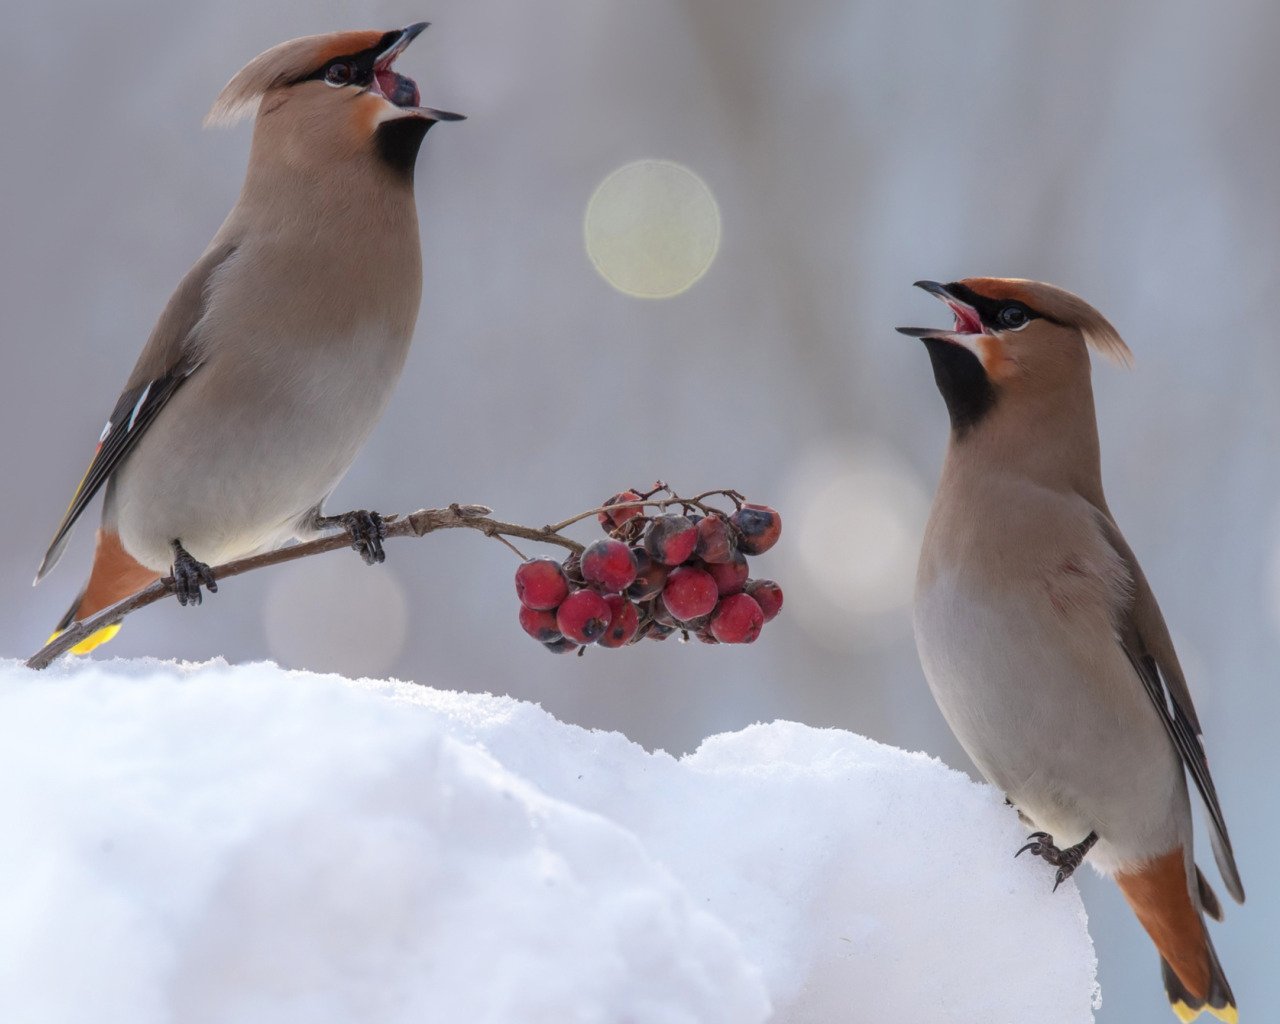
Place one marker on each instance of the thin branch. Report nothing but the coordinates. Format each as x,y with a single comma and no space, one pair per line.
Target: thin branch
416,524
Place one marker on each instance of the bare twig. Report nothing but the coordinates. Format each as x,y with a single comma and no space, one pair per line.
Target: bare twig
416,524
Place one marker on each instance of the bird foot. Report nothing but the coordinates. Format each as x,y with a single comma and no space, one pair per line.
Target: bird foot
189,575
1066,861
366,530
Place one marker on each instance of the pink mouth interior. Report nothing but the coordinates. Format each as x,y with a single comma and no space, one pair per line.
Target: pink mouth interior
967,320
397,88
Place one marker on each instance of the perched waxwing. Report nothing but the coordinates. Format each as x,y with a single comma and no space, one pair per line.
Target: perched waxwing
1040,637
278,352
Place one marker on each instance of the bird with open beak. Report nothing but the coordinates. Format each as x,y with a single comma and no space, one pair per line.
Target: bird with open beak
1040,637
278,352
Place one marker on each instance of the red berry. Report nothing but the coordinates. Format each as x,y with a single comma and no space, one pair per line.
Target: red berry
623,623
583,616
541,584
608,564
618,516
562,646
689,593
716,542
650,576
671,539
730,576
759,528
737,620
663,617
768,595
539,624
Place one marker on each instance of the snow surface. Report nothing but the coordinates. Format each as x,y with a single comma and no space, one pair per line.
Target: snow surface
204,843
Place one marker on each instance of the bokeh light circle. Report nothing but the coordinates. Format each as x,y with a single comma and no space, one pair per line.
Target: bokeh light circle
336,614
652,228
859,512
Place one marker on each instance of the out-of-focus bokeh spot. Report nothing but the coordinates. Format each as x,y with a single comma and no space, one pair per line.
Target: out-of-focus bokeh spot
333,613
652,228
854,538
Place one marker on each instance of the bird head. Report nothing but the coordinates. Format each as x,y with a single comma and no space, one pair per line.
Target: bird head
330,97
1013,341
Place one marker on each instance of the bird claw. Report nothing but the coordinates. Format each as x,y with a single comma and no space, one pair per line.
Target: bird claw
1066,861
189,575
367,532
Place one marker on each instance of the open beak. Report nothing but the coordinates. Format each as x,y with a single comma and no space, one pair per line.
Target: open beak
398,89
968,327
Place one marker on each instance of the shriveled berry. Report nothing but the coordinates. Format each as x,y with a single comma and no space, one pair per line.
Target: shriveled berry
689,593
541,584
671,539
650,575
657,631
662,616
759,528
705,636
608,564
617,516
716,540
562,646
730,576
539,624
737,620
768,595
623,622
583,617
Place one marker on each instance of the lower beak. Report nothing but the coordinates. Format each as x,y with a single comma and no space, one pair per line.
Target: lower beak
388,56
968,326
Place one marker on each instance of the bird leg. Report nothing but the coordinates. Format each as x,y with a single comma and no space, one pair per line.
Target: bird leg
365,529
1067,860
189,575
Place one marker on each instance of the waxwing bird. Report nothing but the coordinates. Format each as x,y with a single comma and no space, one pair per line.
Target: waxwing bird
1040,637
277,354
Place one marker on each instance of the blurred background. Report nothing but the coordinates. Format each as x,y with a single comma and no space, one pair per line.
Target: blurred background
765,181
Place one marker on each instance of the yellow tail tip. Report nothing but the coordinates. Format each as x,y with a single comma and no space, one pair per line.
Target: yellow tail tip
93,640
1226,1014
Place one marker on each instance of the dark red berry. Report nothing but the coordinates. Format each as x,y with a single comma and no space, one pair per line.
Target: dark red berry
716,540
737,620
663,617
623,622
608,564
768,595
583,616
650,576
541,584
730,576
759,528
617,516
689,593
657,631
562,646
706,636
539,624
671,539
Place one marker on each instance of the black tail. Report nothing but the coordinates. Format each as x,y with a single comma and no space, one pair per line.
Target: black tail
70,617
1219,1001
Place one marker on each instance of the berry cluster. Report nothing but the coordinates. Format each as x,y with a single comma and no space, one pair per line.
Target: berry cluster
655,575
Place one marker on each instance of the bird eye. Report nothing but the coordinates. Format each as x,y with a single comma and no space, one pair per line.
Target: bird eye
1013,317
339,73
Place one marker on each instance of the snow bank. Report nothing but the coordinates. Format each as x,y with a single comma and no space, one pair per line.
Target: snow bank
209,843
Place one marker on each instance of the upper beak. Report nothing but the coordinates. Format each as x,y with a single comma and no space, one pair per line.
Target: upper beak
968,322
397,47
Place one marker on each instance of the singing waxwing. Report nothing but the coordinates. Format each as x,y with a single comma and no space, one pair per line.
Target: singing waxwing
278,352
1040,637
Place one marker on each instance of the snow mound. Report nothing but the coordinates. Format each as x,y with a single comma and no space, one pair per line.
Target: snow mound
213,843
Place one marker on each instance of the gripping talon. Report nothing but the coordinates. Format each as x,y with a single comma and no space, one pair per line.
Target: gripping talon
189,575
1066,861
367,531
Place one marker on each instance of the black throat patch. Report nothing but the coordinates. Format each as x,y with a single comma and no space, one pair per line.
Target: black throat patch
397,142
964,384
